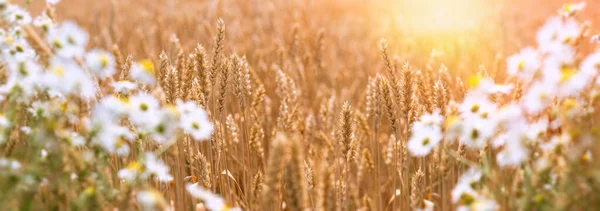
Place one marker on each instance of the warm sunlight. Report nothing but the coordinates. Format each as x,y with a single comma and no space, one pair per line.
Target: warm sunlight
430,16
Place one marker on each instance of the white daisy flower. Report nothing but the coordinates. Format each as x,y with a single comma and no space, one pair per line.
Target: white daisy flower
151,200
67,39
538,97
17,15
101,63
558,67
110,108
143,72
43,21
480,203
475,105
196,123
186,107
211,200
39,109
508,114
525,64
557,34
556,141
432,119
463,191
3,4
453,127
16,32
143,109
5,38
513,153
76,139
571,108
591,64
24,77
574,83
477,131
166,128
68,77
424,139
133,170
536,129
500,140
113,138
482,87
571,9
155,167
18,50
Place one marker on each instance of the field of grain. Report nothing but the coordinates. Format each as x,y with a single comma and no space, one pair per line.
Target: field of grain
299,105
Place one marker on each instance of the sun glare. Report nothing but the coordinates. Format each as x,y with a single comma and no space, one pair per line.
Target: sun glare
427,16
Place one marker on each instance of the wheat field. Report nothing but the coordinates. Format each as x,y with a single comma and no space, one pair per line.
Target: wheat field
299,105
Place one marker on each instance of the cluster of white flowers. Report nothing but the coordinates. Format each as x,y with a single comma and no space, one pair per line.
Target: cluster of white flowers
427,133
550,79
467,197
151,120
150,167
53,87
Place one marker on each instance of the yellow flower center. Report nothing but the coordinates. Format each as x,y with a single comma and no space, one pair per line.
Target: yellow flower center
89,191
123,99
566,73
484,115
521,66
195,125
474,134
58,70
119,143
143,106
147,65
135,166
64,106
539,198
57,44
567,39
586,157
161,129
568,8
19,48
71,40
426,141
22,69
544,96
473,81
8,39
474,108
569,104
103,61
451,120
466,199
